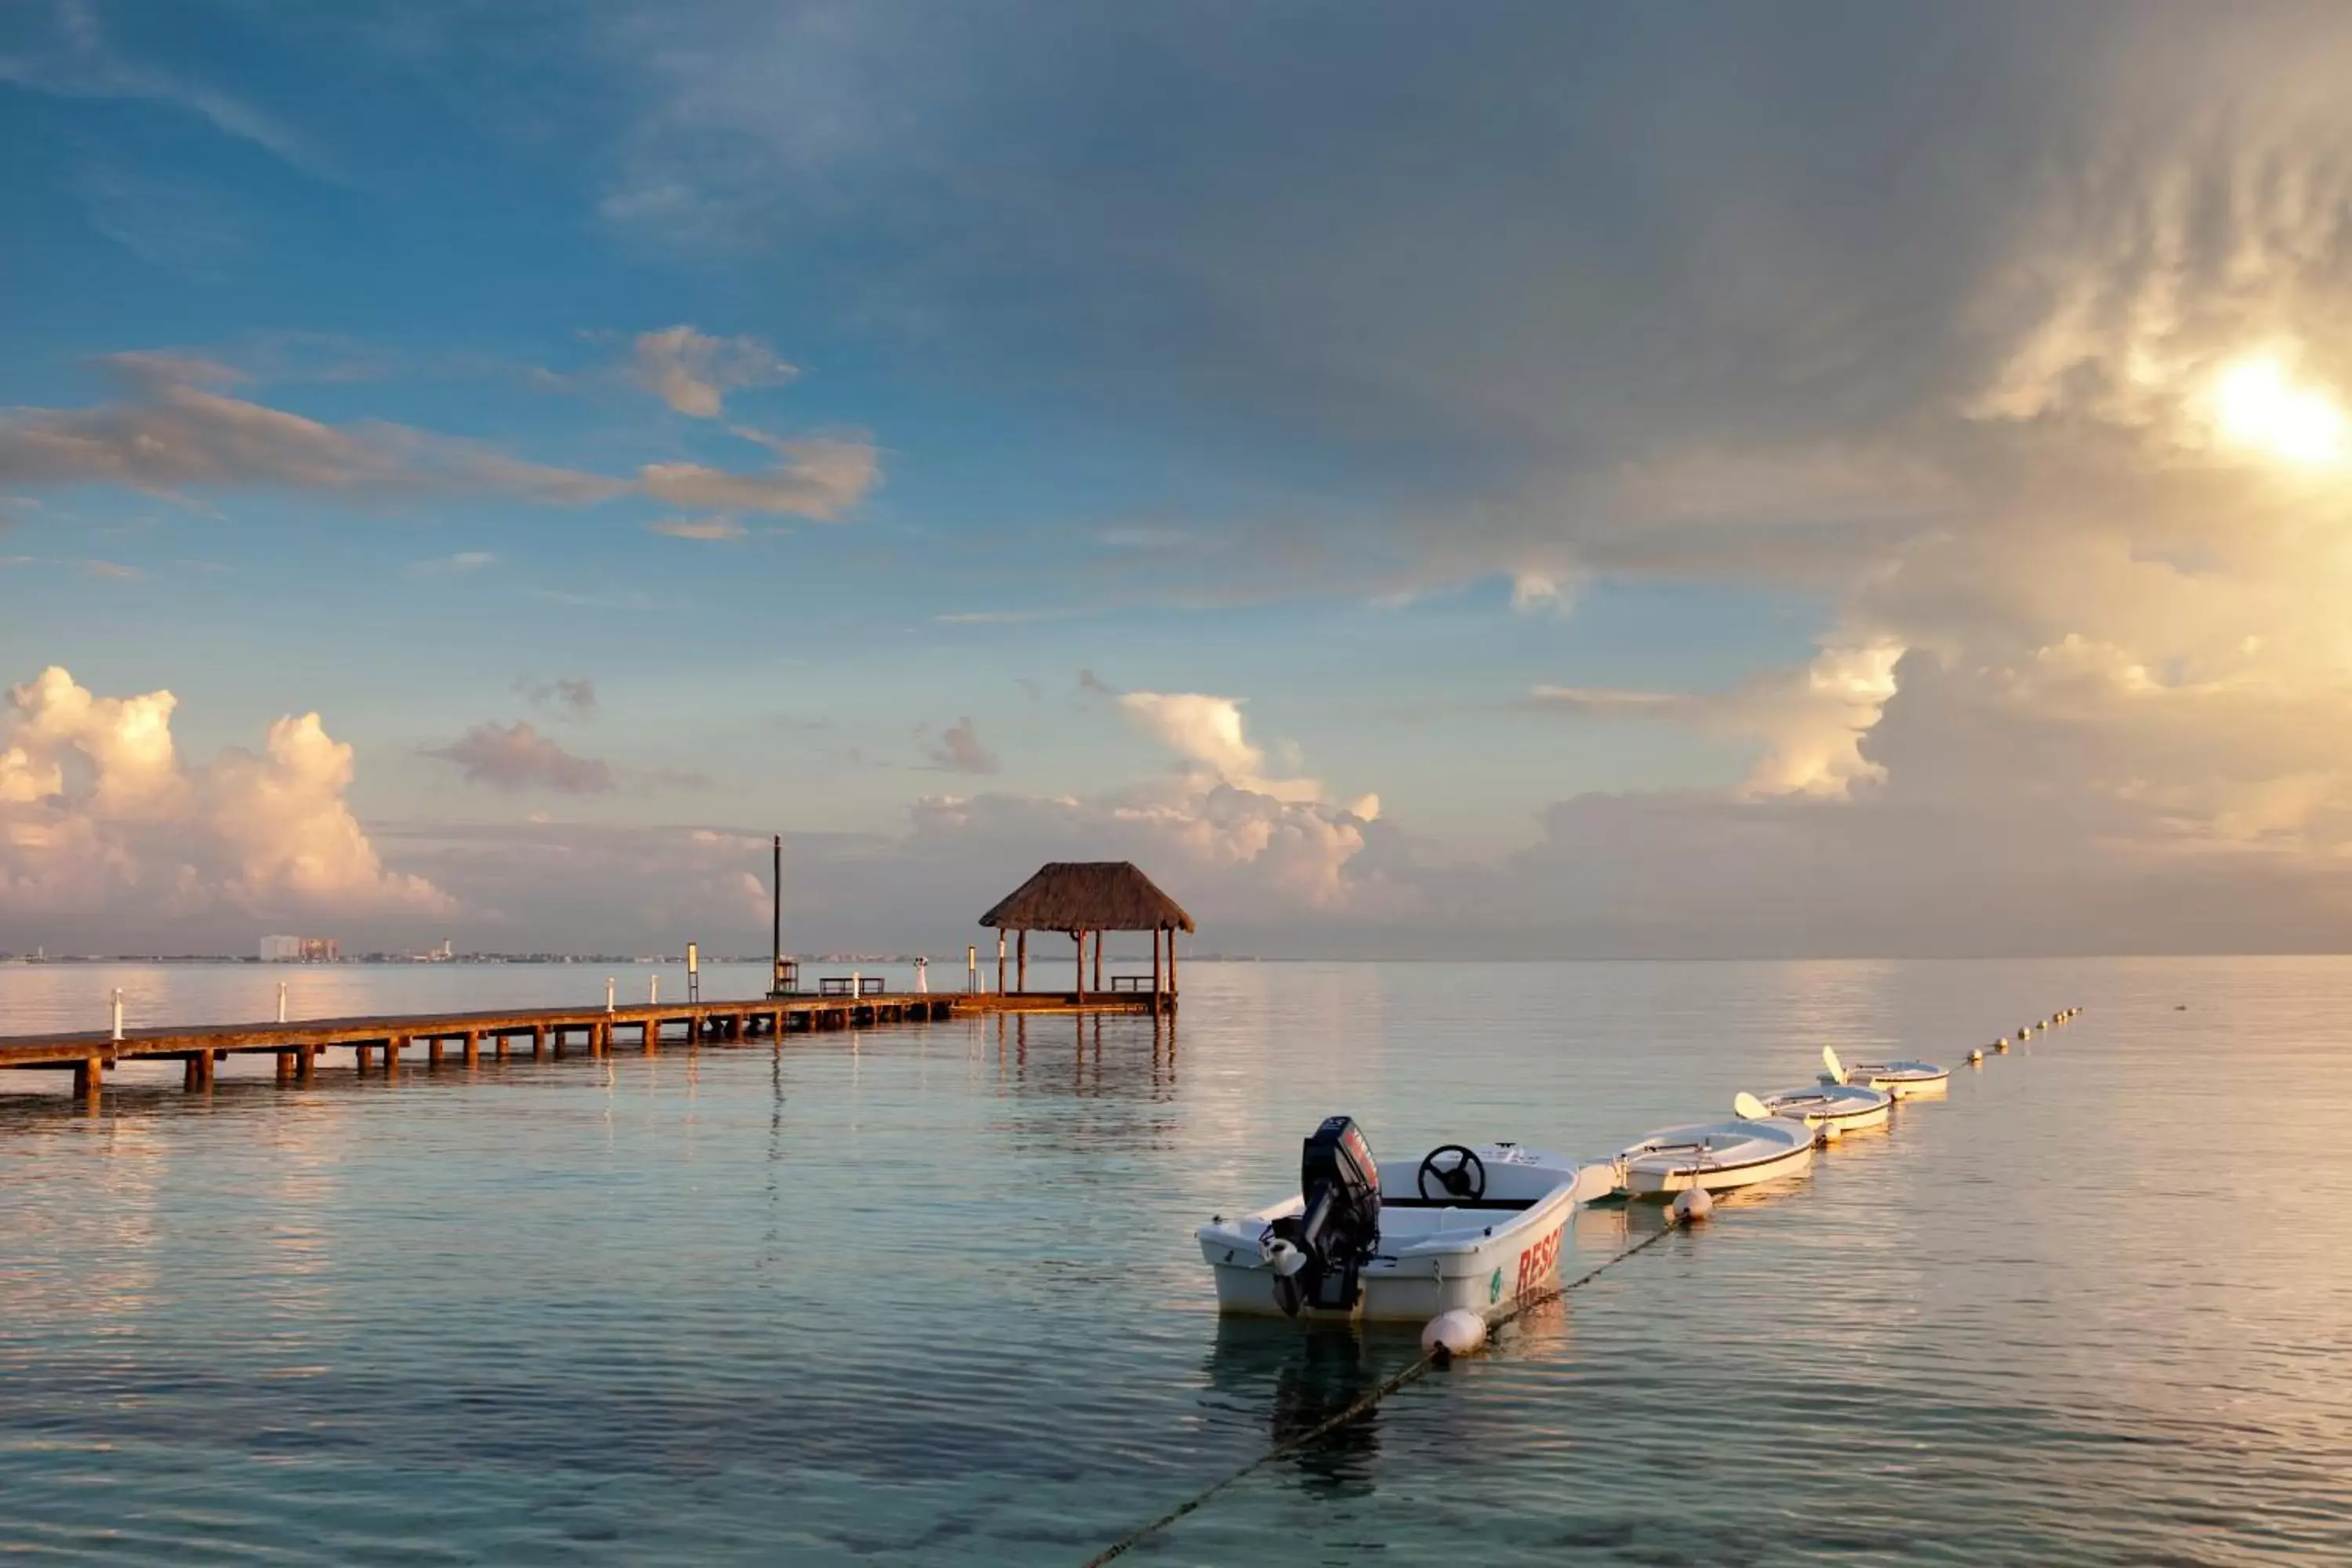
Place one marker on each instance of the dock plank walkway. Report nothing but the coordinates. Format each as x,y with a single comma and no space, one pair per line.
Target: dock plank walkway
383,1040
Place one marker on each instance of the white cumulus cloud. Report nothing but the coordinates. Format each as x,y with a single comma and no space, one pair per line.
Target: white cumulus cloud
98,813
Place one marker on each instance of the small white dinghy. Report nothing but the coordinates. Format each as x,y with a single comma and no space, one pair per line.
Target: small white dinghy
1469,1228
1716,1156
1848,1106
1904,1081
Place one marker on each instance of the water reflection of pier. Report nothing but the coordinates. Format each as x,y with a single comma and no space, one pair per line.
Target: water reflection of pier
1069,1054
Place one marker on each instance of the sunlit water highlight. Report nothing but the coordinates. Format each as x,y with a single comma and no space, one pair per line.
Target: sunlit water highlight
929,1295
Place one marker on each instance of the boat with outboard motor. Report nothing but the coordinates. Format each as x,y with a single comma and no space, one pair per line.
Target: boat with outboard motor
1471,1228
1716,1156
1848,1106
1904,1081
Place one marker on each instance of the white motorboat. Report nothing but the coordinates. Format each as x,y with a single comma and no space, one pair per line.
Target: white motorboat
1474,1228
1848,1106
1716,1156
1904,1081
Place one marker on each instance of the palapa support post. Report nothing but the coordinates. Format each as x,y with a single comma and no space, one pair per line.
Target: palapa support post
1022,941
1080,938
1155,971
1000,962
1098,947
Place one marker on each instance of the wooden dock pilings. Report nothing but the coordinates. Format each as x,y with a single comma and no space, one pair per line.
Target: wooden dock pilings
381,1044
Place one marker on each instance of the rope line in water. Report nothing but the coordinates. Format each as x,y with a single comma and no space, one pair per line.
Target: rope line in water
1413,1373
1362,1404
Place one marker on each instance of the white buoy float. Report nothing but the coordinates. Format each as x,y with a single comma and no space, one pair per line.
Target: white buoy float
1691,1205
1450,1334
1975,1056
1825,1134
2001,1044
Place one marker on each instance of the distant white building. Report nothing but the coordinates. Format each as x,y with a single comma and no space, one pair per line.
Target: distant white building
281,949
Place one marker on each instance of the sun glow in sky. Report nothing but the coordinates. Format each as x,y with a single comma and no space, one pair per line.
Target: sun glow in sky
2258,405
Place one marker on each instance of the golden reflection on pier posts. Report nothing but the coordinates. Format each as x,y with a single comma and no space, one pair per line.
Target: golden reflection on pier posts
286,1067
433,1054
306,1066
473,1048
89,1078
392,1050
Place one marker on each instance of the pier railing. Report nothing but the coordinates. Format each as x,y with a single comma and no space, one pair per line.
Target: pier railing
382,1043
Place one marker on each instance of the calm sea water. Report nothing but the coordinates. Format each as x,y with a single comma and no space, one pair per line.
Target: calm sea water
930,1295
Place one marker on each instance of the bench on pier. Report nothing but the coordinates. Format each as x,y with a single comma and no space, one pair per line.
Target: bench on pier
841,986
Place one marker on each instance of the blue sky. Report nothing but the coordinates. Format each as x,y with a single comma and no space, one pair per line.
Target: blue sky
1372,465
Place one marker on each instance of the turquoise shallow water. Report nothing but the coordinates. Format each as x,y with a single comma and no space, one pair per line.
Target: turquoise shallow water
930,1295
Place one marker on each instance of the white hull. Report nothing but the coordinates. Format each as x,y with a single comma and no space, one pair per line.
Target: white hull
1849,1107
1433,1258
1716,1157
1904,1081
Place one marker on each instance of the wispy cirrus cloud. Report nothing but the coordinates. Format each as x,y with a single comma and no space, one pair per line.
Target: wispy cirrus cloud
457,565
693,371
175,428
706,528
76,60
820,479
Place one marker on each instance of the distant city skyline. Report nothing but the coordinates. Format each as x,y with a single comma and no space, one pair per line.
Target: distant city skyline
1584,481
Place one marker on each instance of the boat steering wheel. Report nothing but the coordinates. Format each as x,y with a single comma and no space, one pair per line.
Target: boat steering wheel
1465,1179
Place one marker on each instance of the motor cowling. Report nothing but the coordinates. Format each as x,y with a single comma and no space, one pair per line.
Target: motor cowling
1317,1252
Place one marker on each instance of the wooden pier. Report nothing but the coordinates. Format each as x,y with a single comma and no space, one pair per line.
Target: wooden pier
384,1044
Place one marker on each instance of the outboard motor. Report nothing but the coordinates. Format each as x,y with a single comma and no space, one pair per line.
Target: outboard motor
1316,1252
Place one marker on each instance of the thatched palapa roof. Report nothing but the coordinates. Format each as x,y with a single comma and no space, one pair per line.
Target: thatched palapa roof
1088,895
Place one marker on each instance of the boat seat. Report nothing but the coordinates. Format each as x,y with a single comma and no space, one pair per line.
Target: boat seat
1513,1204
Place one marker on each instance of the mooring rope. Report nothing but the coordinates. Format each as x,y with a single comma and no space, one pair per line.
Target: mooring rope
1363,1403
1412,1373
